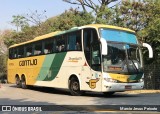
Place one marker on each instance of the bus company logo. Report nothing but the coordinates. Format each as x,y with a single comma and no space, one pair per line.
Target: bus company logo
92,83
74,59
28,62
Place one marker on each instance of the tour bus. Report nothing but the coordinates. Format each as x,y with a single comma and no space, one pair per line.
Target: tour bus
96,57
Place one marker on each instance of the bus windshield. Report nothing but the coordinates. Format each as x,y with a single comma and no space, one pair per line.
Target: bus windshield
124,55
122,58
118,36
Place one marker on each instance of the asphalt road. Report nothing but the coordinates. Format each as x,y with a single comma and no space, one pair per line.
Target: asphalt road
10,95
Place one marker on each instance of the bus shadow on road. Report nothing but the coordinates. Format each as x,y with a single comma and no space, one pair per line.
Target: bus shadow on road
116,95
86,94
46,90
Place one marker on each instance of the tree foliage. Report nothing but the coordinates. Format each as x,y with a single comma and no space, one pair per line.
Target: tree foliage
30,19
69,19
95,6
133,14
19,21
65,21
100,7
151,32
3,54
143,17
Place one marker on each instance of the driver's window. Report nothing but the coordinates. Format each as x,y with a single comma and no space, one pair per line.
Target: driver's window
89,37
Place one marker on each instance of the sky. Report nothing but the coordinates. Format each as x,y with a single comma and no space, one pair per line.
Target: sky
8,8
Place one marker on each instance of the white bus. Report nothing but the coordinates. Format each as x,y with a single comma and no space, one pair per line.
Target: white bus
96,57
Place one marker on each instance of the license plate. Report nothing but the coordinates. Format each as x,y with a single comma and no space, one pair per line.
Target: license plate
128,87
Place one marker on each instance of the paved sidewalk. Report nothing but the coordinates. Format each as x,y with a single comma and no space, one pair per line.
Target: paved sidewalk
143,91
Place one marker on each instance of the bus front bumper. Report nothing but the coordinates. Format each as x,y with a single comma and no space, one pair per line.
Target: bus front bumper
115,87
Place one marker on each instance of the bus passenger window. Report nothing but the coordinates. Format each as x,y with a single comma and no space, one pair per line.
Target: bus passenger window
48,47
74,41
54,46
12,53
38,49
60,44
62,47
20,52
29,51
15,53
78,46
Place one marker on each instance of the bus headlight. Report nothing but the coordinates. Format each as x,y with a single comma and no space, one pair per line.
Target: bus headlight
141,80
110,80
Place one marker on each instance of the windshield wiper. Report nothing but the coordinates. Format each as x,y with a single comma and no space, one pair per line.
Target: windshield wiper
133,63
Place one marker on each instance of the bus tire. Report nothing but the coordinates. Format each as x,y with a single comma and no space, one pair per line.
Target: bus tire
23,82
74,87
18,82
108,93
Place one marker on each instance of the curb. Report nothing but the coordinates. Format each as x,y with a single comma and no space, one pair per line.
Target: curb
143,91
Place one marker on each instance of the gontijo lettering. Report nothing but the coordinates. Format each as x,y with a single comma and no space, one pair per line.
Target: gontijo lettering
28,62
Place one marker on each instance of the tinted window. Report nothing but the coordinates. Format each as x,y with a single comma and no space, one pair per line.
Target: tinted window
74,41
28,50
14,53
48,46
90,37
11,53
96,61
20,52
60,43
38,48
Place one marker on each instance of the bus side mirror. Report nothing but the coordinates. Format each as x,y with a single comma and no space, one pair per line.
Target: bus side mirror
149,49
104,46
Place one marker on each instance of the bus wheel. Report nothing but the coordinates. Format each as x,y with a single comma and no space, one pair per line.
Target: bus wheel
23,82
108,93
74,87
18,82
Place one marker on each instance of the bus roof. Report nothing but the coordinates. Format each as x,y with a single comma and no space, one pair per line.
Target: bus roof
109,27
96,26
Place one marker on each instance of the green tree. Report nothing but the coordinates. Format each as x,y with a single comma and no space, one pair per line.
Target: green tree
99,8
19,21
30,19
3,62
35,18
65,21
151,32
143,17
68,19
6,37
131,14
3,54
